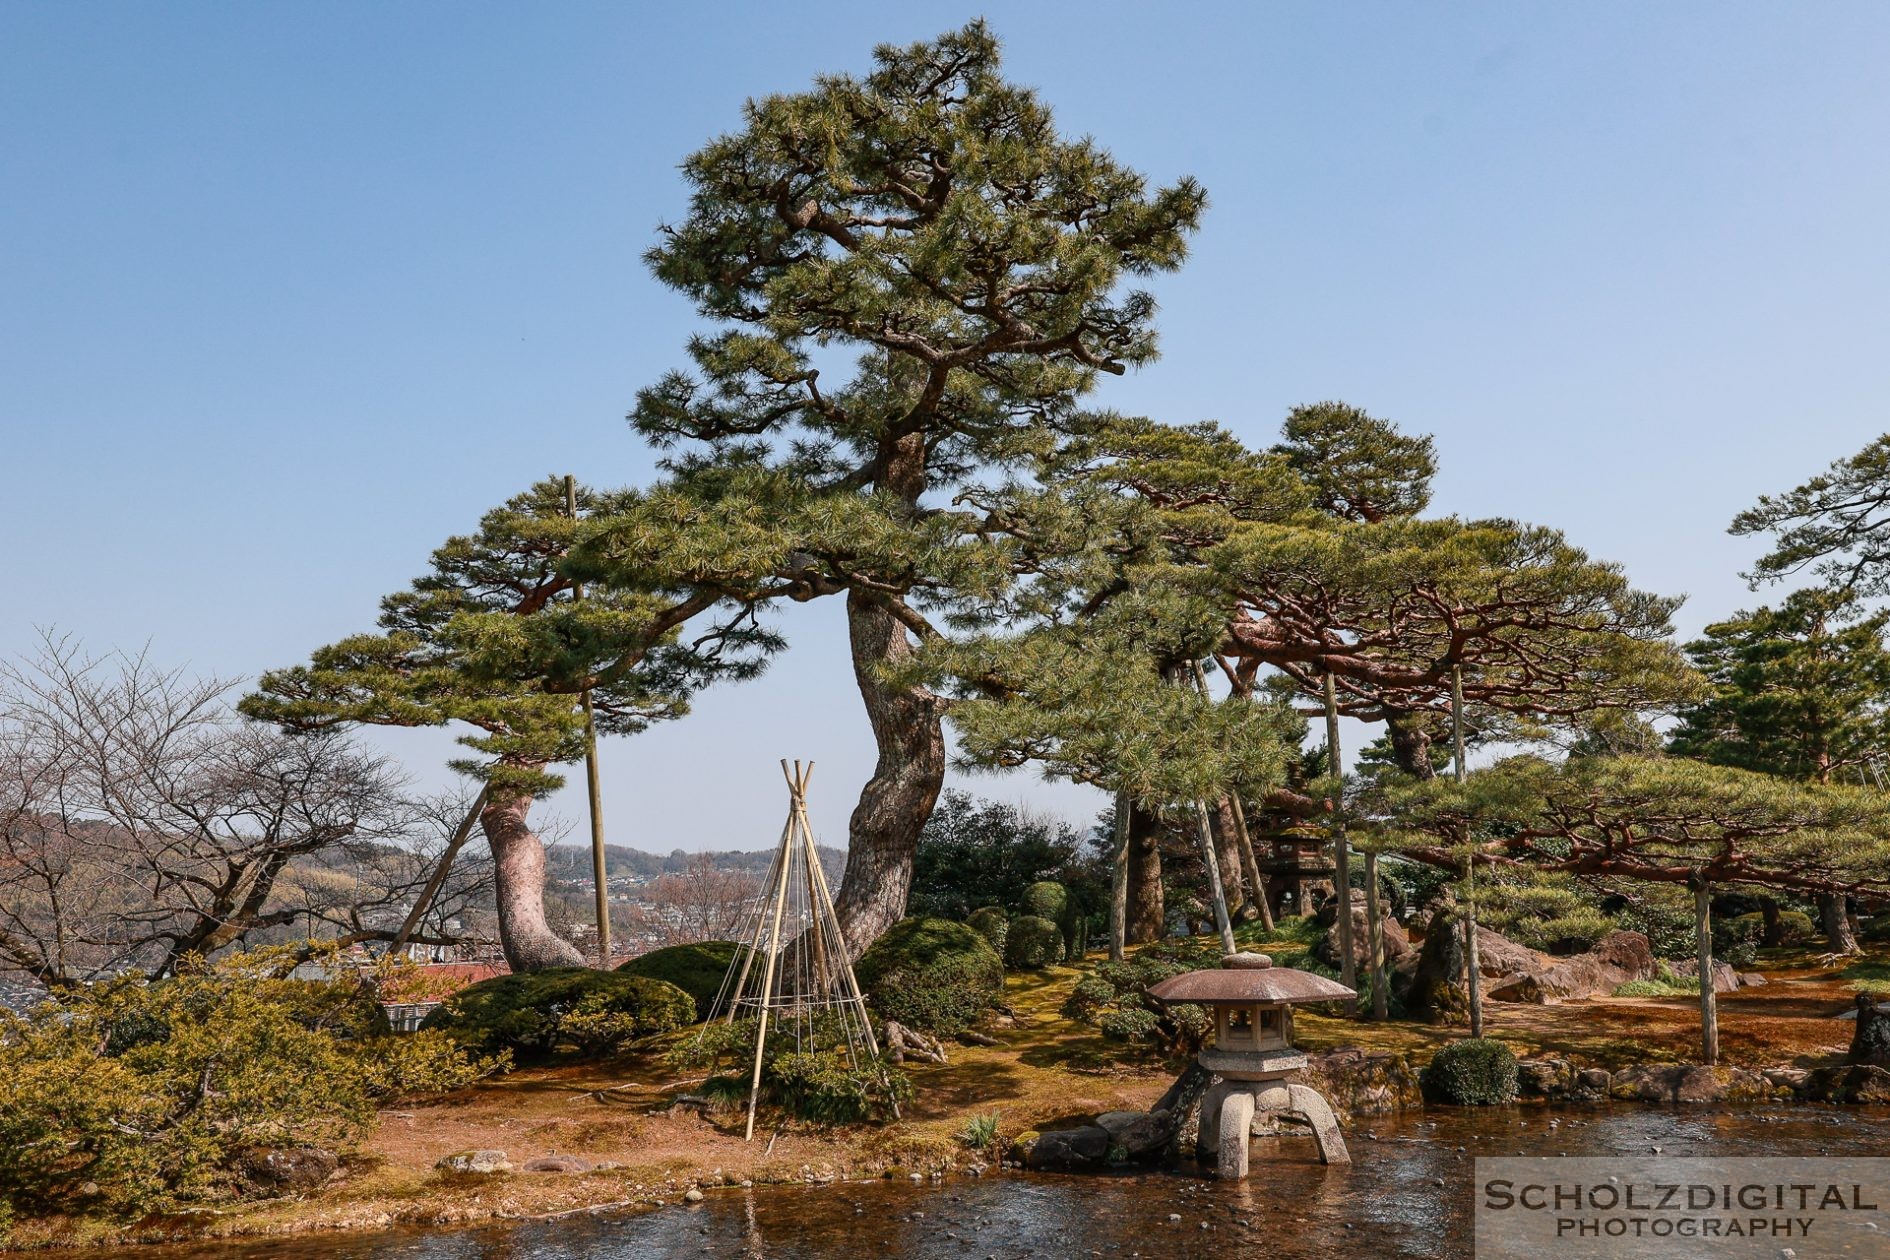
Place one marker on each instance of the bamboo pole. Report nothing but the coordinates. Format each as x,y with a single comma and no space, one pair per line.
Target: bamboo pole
1341,855
767,974
599,875
1461,771
1119,884
1709,1000
778,874
1243,835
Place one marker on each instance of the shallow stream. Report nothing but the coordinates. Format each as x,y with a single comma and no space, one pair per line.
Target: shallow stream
1406,1195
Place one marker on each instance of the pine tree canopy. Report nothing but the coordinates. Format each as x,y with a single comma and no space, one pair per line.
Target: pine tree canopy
1838,523
1358,467
493,637
1659,819
1800,690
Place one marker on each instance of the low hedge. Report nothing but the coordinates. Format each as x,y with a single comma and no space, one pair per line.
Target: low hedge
563,1011
931,974
697,969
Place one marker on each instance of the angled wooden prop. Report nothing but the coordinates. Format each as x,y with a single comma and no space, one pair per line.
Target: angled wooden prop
805,988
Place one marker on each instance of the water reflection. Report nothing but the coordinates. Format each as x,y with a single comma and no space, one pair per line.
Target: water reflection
1407,1195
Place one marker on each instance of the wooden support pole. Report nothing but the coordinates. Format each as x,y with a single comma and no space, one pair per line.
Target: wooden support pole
1119,883
1473,981
767,975
1215,894
1709,1000
441,869
600,877
1341,855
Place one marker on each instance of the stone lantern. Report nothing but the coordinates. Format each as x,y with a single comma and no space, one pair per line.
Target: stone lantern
1253,1052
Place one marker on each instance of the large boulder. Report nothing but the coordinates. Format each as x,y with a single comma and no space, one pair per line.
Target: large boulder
1360,1082
1431,990
1553,1079
1688,1083
1725,978
1137,1134
1498,956
1397,941
1870,1042
1854,1083
1086,1147
286,1169
1618,958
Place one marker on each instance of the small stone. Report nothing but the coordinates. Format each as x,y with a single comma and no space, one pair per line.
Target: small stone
1174,1218
692,1195
483,1162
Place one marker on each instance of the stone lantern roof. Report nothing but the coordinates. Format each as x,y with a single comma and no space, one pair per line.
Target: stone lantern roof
1248,980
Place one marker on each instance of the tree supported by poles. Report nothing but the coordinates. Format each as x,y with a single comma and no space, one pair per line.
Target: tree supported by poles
795,979
1654,819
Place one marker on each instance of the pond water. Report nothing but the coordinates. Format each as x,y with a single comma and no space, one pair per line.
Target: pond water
1407,1195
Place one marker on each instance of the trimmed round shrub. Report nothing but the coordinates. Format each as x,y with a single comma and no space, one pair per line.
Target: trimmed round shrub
1131,1024
1091,996
1474,1072
931,974
1047,899
566,1010
1796,927
697,969
1736,939
992,924
1034,942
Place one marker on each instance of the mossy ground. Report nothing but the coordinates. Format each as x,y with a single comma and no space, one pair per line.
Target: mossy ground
1044,1070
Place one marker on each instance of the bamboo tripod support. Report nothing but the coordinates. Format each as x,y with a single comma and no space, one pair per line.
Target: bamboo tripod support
806,972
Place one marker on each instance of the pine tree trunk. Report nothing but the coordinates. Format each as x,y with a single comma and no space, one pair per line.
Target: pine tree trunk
883,834
1250,866
1774,929
1147,915
518,876
1411,744
1227,851
1836,924
1119,882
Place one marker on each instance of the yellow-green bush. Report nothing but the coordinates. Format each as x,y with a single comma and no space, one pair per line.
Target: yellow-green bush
135,1096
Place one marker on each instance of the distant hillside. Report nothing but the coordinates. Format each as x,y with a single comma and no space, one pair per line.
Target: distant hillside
573,861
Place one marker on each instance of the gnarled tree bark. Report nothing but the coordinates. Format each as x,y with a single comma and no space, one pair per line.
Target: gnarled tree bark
518,872
1147,913
883,834
1835,920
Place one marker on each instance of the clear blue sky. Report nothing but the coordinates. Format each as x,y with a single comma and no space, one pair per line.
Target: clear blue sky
290,292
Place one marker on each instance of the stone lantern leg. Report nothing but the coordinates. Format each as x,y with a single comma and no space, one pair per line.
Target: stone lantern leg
1252,1055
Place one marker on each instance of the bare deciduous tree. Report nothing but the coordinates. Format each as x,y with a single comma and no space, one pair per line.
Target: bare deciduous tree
142,821
700,902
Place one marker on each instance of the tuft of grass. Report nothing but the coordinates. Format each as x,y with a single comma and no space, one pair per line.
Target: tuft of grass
980,1132
1672,986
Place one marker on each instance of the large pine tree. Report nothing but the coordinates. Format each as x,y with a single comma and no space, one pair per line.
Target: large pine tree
929,221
